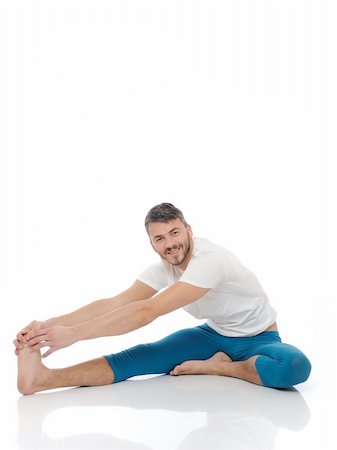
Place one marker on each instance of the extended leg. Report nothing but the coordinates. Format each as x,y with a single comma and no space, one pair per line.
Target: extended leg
157,357
33,376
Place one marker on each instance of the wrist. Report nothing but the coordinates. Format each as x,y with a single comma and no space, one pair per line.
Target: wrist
49,323
78,332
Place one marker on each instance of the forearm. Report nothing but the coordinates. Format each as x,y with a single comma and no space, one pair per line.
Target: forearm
89,312
120,321
137,291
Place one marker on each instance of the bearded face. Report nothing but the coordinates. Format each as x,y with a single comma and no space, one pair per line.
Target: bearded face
172,241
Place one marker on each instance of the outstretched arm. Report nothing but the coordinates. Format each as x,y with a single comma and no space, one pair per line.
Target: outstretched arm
138,291
119,321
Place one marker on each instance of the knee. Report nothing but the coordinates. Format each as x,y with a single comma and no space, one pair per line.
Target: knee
297,368
284,371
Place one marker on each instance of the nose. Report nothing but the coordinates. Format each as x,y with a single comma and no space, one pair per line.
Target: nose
170,242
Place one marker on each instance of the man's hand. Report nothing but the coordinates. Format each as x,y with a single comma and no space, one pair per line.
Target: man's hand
54,337
21,337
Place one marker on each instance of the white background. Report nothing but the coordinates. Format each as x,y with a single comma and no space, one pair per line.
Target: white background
225,108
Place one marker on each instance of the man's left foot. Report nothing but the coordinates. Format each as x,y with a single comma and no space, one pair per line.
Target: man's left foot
212,366
32,374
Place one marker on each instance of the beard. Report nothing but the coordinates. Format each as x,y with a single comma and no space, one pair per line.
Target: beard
175,259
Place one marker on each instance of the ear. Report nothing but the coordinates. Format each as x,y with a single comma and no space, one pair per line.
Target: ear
189,231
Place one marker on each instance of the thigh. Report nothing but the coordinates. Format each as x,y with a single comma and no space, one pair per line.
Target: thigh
163,355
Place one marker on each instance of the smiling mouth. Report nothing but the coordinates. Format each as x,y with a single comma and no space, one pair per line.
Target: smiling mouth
173,251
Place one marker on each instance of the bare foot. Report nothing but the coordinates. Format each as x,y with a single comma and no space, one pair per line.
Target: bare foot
31,372
211,366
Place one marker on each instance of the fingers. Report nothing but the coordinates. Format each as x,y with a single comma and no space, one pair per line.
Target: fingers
35,325
34,339
21,336
24,336
22,333
37,346
34,334
38,339
18,345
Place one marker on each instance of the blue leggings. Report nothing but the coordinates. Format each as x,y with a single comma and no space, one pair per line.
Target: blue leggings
278,365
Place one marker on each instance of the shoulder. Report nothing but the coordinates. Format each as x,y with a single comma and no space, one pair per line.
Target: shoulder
208,264
155,275
205,249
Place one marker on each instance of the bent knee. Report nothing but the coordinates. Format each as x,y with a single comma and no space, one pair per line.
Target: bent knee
298,367
283,371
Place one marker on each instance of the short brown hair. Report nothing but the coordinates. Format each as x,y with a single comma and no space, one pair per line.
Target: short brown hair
164,212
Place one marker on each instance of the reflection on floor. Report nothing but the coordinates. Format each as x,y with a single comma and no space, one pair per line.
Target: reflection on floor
191,412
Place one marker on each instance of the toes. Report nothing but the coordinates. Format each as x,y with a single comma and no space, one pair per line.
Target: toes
175,371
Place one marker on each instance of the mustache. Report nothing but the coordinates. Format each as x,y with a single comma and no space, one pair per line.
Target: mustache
175,247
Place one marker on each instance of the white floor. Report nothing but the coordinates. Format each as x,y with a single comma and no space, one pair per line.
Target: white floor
163,412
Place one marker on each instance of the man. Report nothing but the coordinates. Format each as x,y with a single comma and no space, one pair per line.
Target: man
240,338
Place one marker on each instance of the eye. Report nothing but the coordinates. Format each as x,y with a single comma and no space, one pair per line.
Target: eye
158,239
175,233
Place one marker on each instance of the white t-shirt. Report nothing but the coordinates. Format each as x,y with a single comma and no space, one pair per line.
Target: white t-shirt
236,305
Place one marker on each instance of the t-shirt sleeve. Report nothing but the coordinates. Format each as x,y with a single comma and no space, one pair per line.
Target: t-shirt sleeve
206,271
154,276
